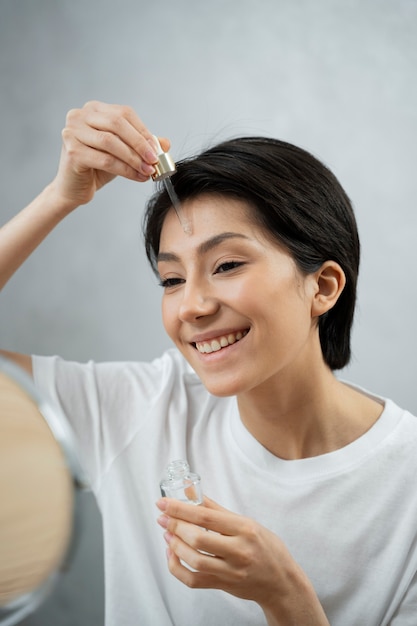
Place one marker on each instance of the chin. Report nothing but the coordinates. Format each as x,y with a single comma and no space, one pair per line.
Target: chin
222,388
222,383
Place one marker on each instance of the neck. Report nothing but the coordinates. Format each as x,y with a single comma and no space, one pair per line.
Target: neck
312,415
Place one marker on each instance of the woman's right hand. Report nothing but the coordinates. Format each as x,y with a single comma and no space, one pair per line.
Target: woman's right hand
101,141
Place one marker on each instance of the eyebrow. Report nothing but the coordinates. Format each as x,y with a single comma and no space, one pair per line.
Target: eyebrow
204,247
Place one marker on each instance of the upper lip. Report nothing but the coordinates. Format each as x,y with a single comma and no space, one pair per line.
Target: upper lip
214,334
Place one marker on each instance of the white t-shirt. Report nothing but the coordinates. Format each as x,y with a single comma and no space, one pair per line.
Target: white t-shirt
349,517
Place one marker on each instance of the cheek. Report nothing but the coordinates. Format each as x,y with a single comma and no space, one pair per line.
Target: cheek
241,294
169,317
289,308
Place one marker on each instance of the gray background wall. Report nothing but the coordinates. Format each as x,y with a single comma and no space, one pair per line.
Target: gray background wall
336,77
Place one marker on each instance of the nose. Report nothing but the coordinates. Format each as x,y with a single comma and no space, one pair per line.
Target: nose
197,302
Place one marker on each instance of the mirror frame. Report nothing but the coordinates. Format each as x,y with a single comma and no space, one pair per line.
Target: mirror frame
15,611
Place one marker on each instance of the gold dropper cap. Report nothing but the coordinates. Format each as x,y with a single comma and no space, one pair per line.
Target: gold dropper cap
165,167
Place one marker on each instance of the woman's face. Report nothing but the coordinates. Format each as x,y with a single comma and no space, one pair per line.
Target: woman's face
234,302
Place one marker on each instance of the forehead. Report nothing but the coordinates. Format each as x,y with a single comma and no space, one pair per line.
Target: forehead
209,215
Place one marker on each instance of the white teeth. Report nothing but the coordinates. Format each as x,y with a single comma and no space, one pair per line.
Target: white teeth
219,343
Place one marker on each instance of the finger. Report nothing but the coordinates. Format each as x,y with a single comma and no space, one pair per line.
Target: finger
184,574
220,521
109,144
164,143
117,111
209,573
123,121
200,561
112,124
112,135
199,539
192,577
117,120
84,157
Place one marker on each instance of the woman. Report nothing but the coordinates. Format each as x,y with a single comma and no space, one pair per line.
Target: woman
316,476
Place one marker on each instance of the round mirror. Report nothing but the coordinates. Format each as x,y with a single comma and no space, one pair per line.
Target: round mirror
39,508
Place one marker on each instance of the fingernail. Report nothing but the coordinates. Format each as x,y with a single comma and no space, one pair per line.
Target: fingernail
168,553
162,504
163,521
168,536
151,153
150,156
148,170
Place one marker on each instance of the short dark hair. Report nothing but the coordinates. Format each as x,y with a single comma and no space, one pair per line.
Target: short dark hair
295,198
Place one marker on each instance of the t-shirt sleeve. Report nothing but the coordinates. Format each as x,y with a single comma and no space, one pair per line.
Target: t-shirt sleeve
106,404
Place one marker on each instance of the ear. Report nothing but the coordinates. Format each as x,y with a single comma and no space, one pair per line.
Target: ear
330,280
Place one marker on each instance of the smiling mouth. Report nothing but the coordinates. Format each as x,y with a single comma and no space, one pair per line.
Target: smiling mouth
214,345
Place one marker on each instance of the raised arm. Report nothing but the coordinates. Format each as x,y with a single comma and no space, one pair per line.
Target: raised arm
99,142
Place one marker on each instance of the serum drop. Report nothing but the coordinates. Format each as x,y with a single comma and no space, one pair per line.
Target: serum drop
180,483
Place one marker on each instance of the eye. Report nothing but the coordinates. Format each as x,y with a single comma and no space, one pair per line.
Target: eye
228,266
170,282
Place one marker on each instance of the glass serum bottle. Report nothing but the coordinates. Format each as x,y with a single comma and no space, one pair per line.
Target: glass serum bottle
180,483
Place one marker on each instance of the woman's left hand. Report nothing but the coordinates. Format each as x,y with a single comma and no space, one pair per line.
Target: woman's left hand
239,556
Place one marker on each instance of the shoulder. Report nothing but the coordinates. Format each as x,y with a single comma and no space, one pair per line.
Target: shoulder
116,378
164,371
392,413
